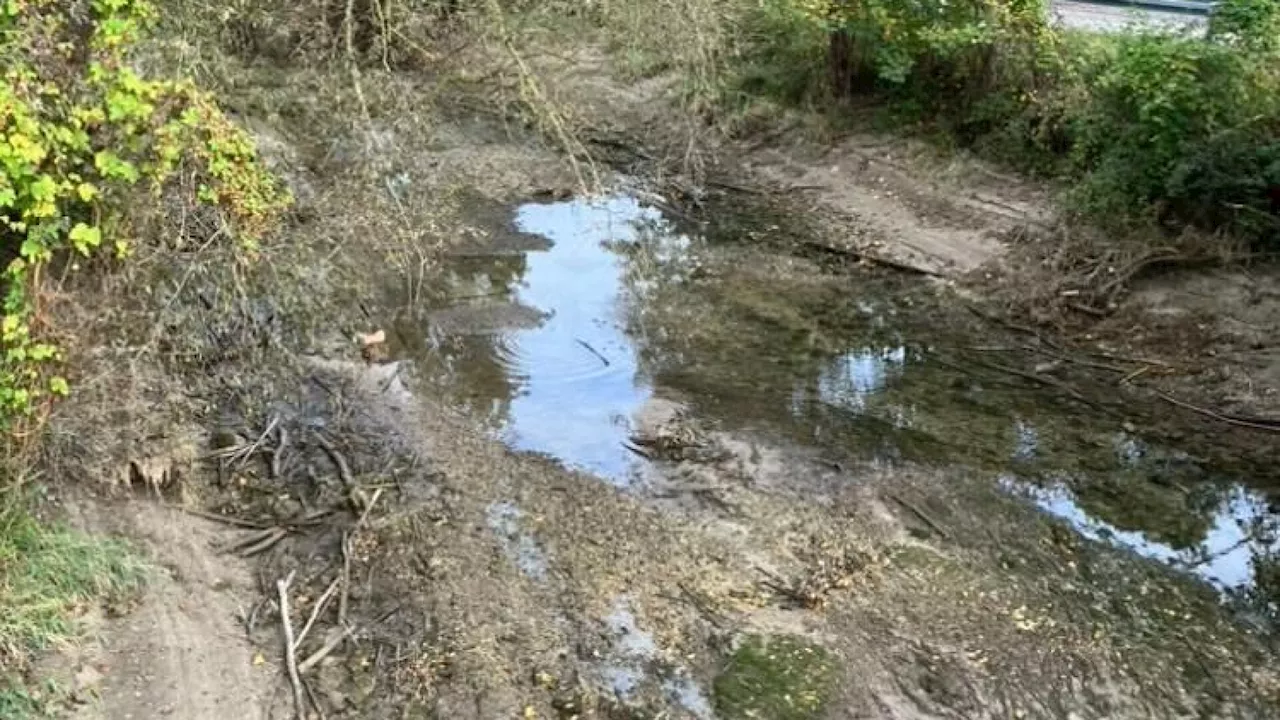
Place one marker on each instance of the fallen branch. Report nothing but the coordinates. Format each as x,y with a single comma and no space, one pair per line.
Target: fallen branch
993,318
290,658
346,580
316,610
368,509
335,639
344,470
1264,424
921,514
1043,380
593,351
1134,375
225,519
1131,359
703,607
872,259
781,586
241,459
250,540
632,447
277,455
266,544
1076,360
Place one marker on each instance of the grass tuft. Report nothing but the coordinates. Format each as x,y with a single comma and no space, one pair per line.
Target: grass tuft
47,574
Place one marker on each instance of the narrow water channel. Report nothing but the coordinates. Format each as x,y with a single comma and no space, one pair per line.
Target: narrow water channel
559,340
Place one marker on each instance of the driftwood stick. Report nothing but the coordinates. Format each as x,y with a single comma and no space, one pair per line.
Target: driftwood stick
311,695
277,455
364,516
225,519
924,517
252,538
346,580
320,605
264,544
1265,424
344,469
290,657
241,459
593,351
335,639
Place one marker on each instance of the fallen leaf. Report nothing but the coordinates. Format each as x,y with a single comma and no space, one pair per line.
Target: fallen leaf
374,338
259,659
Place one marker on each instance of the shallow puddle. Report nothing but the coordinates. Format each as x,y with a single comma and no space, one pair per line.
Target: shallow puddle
559,340
636,660
1241,529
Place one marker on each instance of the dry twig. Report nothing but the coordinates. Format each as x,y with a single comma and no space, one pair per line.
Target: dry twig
344,470
290,657
335,639
921,514
1264,424
320,605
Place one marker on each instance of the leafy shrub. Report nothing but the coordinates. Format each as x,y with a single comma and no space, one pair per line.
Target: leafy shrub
83,139
1145,124
1167,108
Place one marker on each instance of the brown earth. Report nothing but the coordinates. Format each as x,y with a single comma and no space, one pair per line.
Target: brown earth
473,582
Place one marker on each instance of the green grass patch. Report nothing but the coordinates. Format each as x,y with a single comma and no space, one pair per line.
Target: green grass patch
17,702
775,677
47,575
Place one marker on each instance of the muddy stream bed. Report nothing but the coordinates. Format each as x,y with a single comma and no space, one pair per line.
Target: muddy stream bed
600,333
852,503
615,457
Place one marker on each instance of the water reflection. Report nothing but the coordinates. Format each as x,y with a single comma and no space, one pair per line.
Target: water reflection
578,372
558,345
1242,532
851,379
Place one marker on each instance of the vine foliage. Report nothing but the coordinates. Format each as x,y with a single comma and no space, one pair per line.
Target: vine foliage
85,140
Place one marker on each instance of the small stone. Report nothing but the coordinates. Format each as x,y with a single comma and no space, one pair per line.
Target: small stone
87,679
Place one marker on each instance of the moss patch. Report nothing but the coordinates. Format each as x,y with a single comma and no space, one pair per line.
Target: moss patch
778,678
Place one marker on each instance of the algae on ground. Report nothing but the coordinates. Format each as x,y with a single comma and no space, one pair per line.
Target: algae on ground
777,677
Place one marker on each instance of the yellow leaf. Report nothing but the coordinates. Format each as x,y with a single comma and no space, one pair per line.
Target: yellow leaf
259,659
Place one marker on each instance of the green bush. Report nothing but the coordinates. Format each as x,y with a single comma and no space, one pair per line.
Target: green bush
1179,123
84,140
1144,125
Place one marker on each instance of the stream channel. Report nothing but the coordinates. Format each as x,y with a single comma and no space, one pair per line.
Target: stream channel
572,319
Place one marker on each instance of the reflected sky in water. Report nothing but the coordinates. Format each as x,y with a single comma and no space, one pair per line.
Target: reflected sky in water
568,384
850,379
1240,528
577,373
1225,558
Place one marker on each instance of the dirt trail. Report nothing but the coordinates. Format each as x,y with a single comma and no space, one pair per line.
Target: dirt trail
948,224
182,651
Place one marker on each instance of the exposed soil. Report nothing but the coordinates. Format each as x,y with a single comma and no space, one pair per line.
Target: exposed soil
181,652
456,578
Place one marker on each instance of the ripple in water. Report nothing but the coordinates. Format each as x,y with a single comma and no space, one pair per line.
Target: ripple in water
577,371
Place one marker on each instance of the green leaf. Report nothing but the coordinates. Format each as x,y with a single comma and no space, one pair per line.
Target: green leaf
31,249
58,386
42,351
85,238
